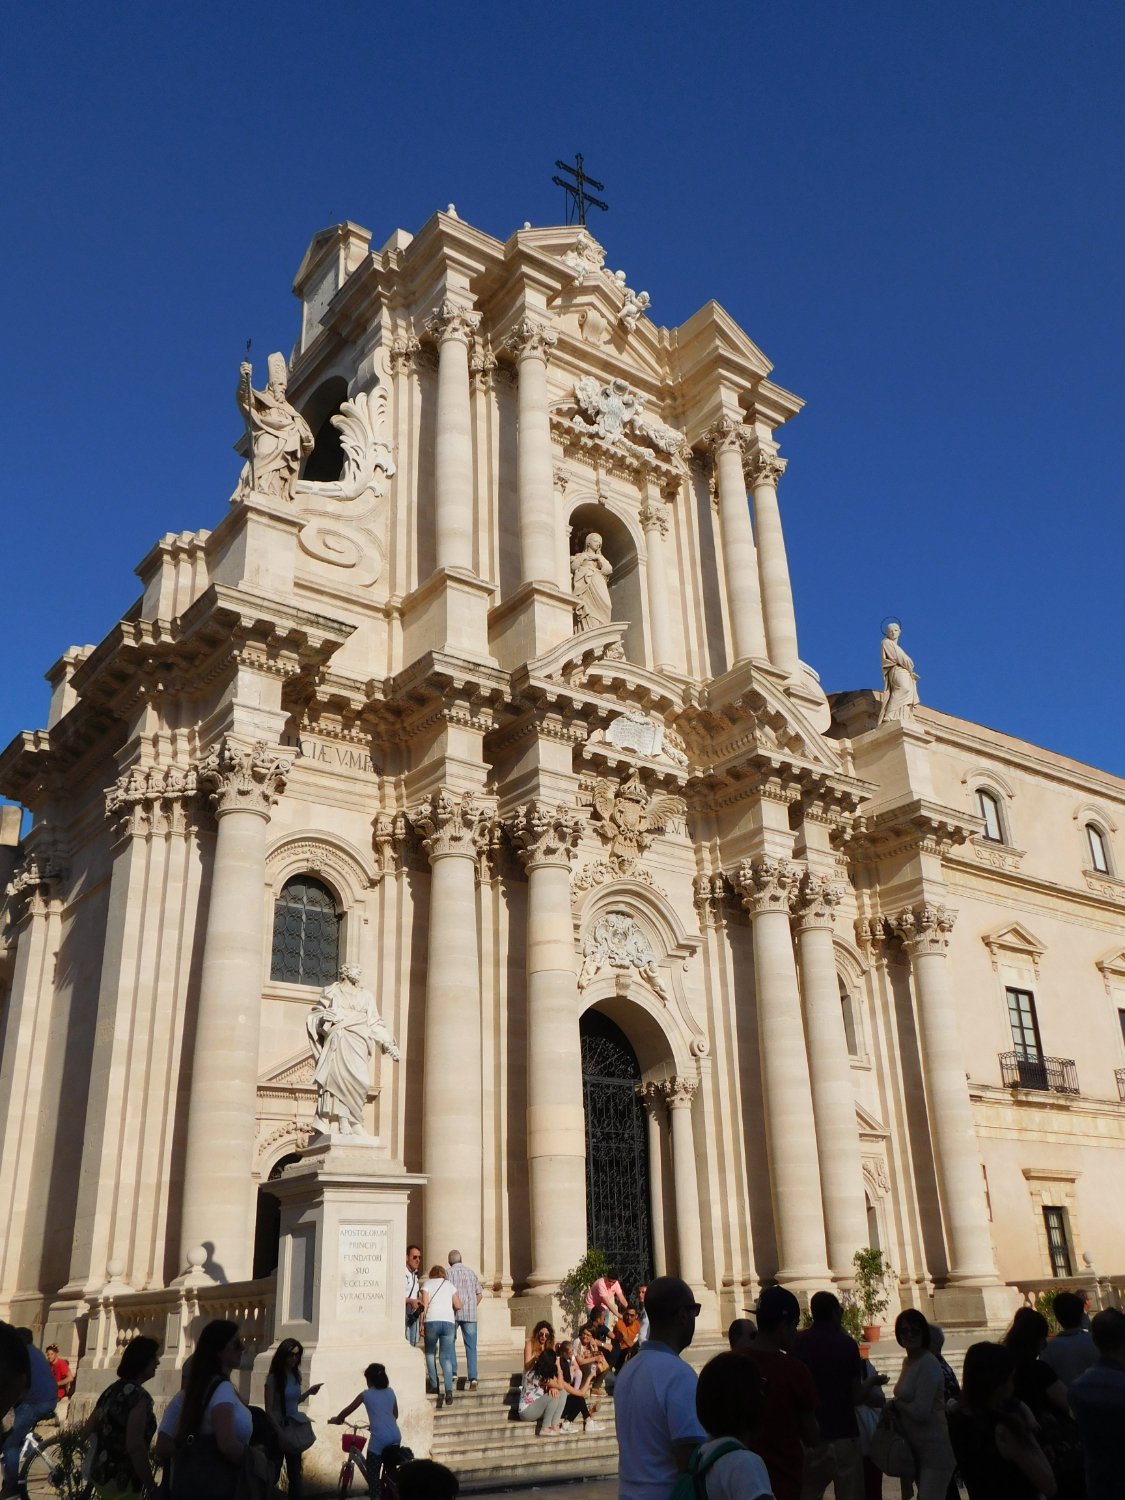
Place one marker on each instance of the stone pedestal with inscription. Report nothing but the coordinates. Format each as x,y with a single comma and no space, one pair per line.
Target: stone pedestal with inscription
340,1289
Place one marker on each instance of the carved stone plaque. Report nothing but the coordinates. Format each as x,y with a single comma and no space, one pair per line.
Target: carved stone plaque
635,732
363,1271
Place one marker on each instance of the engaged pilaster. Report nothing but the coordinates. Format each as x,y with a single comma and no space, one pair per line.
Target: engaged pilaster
532,342
452,327
654,519
833,1098
679,1094
546,838
243,786
924,931
456,829
768,888
764,470
727,441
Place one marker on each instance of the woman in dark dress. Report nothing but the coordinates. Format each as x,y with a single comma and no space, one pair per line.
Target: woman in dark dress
993,1434
123,1424
1044,1395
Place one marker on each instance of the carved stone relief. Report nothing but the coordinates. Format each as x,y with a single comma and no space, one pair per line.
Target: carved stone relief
618,941
628,818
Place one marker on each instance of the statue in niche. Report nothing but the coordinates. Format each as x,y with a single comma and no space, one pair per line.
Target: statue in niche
590,570
344,1027
280,438
900,691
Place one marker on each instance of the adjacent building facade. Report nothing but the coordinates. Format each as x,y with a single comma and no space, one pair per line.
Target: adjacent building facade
488,682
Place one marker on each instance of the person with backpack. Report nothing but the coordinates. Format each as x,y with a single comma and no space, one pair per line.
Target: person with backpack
729,1402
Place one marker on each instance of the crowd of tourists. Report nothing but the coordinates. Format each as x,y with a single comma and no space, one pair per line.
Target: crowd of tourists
790,1413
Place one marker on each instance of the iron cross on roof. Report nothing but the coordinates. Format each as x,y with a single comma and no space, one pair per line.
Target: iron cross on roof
577,196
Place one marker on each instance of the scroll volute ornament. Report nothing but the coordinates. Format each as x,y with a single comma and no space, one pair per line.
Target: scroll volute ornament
240,780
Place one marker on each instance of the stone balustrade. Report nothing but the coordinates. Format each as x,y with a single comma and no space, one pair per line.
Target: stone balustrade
1103,1291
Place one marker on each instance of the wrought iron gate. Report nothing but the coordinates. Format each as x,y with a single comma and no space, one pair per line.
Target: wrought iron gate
617,1209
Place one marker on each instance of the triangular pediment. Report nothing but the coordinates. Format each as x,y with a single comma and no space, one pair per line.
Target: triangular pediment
868,1124
1014,937
1111,966
295,1072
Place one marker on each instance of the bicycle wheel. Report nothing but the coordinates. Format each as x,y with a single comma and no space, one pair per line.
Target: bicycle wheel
347,1468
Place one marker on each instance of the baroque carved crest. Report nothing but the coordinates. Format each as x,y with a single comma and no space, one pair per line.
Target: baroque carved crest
347,515
617,415
617,940
629,817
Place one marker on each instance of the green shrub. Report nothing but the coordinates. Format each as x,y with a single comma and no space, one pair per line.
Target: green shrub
576,1283
1045,1304
872,1278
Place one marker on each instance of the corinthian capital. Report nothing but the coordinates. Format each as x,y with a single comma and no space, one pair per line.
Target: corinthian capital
153,800
240,780
726,433
924,929
531,340
768,884
460,823
654,518
35,882
816,902
452,320
764,468
546,835
679,1092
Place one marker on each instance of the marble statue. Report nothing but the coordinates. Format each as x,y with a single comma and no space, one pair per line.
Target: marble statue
900,692
590,570
279,436
344,1026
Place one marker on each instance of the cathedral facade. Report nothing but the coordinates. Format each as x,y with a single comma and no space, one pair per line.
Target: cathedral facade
487,683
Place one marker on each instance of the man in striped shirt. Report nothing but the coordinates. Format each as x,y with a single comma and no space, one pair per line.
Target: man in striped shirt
468,1287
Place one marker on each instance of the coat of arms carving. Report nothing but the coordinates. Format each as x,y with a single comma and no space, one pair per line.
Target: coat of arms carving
629,817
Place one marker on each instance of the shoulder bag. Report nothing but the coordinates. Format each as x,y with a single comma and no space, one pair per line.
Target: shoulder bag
889,1449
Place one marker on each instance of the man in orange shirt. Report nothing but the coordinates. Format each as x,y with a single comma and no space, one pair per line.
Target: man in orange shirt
625,1336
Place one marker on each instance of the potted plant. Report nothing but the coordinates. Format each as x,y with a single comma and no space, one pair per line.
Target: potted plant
871,1277
576,1283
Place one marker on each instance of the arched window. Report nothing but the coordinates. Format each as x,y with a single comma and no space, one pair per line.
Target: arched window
306,933
989,809
848,1009
1099,849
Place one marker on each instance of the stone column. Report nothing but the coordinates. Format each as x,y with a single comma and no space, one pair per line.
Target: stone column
925,936
452,327
679,1092
765,469
546,838
455,827
656,1117
654,519
218,1200
532,343
833,1097
727,440
768,888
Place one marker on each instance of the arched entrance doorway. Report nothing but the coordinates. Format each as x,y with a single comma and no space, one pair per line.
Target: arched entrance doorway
617,1207
267,1226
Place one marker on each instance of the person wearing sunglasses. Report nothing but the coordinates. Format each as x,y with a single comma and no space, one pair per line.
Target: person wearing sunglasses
658,1428
215,1425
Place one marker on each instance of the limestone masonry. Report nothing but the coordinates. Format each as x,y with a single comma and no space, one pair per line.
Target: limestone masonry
487,682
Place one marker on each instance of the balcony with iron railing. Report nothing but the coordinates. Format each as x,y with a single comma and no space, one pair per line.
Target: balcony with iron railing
1054,1075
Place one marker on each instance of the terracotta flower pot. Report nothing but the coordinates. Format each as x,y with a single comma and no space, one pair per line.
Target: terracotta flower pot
871,1332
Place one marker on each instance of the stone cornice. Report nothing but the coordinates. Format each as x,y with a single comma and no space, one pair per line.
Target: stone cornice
915,826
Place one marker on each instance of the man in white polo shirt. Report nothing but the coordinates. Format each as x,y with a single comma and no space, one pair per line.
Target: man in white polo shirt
654,1398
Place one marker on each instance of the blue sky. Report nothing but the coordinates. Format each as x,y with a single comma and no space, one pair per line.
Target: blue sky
916,211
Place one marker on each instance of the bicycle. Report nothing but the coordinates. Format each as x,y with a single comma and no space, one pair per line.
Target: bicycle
387,1464
51,1454
353,1446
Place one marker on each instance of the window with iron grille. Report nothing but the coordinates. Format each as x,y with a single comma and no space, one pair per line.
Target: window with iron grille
306,934
1058,1241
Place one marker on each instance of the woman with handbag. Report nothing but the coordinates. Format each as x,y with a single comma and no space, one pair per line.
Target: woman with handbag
919,1405
440,1304
213,1432
122,1426
283,1402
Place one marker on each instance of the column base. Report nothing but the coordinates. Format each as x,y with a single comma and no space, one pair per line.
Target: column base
449,613
496,1332
529,622
965,1306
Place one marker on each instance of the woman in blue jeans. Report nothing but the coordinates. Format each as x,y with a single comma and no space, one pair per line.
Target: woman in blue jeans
440,1305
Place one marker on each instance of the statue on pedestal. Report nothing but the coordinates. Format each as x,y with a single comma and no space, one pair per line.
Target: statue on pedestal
589,571
344,1026
279,436
900,691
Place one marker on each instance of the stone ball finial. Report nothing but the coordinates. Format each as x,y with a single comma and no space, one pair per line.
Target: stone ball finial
196,1257
115,1269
